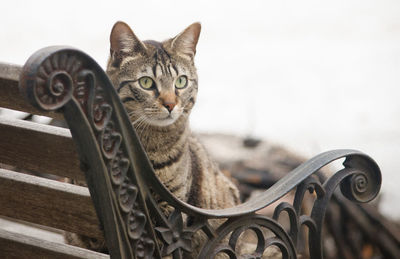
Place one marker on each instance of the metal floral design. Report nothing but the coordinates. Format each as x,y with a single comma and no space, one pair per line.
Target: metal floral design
175,235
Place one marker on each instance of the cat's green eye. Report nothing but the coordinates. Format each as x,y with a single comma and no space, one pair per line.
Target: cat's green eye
181,82
146,82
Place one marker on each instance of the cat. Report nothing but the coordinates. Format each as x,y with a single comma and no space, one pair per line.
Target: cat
157,83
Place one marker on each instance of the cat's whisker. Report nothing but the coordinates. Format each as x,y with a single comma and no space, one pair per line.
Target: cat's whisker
138,120
133,116
142,127
134,112
154,113
142,124
155,110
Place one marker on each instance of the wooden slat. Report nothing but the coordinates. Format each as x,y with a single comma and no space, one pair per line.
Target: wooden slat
10,96
16,225
15,245
10,71
38,147
47,202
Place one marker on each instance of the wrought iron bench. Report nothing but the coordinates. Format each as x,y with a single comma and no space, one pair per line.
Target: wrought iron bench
122,183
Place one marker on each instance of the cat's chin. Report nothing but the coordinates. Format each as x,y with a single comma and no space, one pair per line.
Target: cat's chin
162,122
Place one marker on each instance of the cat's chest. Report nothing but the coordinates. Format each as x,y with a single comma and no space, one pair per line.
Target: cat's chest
172,158
174,172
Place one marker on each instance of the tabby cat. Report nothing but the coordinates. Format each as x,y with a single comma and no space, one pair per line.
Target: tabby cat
157,83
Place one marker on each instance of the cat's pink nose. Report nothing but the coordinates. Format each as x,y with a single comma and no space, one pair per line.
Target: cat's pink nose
169,105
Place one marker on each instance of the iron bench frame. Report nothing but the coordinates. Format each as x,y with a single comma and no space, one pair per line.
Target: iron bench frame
122,181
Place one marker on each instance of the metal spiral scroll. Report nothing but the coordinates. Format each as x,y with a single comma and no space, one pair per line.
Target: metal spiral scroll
49,81
357,184
362,185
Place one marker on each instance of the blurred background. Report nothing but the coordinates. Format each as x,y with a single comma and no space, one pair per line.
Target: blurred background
310,75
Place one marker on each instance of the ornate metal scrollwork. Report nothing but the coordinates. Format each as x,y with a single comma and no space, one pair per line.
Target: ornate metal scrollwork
54,80
122,181
69,80
234,227
359,181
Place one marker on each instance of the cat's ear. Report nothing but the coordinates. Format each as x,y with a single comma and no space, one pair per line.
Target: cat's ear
186,41
124,42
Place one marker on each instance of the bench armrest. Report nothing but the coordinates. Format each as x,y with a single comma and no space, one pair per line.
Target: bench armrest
121,179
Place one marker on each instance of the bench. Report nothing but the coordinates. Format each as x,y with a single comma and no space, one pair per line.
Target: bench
102,148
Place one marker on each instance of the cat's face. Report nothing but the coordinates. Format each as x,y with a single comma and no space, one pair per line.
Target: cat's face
157,82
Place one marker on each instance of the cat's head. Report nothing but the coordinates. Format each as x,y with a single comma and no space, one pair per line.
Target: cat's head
157,81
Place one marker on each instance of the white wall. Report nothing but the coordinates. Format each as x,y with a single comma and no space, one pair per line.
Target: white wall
313,75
